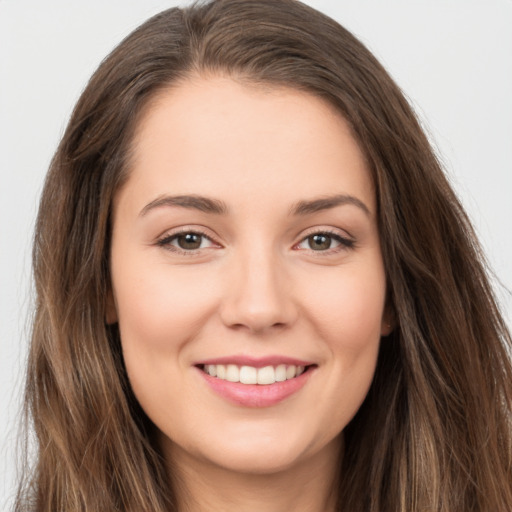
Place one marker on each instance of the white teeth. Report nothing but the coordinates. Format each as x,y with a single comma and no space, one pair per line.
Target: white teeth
266,375
251,375
291,371
232,373
248,375
221,371
281,373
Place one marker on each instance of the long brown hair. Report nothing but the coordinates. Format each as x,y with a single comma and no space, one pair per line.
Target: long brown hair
434,432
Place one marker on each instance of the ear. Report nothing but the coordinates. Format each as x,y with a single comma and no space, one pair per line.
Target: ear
388,323
110,307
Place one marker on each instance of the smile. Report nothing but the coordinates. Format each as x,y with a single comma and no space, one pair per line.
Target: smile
251,375
250,382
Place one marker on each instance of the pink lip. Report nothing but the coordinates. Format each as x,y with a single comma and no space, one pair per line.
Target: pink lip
256,362
254,395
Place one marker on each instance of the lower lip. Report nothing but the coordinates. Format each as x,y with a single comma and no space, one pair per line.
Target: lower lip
255,395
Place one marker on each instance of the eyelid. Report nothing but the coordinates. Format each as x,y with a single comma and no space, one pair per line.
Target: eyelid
346,242
164,240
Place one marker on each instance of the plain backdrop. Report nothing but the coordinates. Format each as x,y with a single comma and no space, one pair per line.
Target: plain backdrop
453,59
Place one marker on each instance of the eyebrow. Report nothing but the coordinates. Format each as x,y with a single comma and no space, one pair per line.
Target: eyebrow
208,205
326,203
194,202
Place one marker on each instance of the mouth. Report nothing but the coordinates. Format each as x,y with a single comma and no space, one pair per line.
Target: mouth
265,384
263,376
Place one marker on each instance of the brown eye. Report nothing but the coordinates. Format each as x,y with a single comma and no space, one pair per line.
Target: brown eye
327,242
189,241
186,242
319,242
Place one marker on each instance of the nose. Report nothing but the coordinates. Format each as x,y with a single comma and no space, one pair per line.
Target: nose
258,294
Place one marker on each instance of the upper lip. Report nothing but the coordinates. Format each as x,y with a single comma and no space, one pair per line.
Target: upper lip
256,362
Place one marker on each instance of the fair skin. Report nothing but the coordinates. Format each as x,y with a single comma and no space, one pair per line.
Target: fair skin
262,274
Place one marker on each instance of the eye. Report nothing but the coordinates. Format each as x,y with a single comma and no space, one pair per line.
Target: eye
186,241
325,242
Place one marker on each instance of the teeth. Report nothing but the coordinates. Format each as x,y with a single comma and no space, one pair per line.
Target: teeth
281,373
232,373
266,375
291,371
221,371
250,375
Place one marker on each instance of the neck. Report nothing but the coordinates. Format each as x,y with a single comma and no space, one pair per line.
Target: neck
308,486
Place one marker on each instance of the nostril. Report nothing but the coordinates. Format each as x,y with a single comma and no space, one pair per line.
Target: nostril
258,327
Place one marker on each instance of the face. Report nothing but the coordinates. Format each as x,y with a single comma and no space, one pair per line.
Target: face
247,275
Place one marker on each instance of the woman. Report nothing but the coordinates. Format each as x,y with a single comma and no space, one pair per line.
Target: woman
256,289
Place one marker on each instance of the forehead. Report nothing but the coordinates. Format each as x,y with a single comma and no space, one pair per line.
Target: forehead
222,137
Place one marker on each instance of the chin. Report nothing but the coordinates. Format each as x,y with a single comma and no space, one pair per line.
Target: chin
260,461
261,453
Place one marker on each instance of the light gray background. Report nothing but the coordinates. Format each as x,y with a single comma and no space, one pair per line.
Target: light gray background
452,57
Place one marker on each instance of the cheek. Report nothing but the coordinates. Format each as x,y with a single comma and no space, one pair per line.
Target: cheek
159,312
159,307
348,318
347,307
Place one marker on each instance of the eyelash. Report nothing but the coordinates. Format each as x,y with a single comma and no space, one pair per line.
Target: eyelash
166,240
345,242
